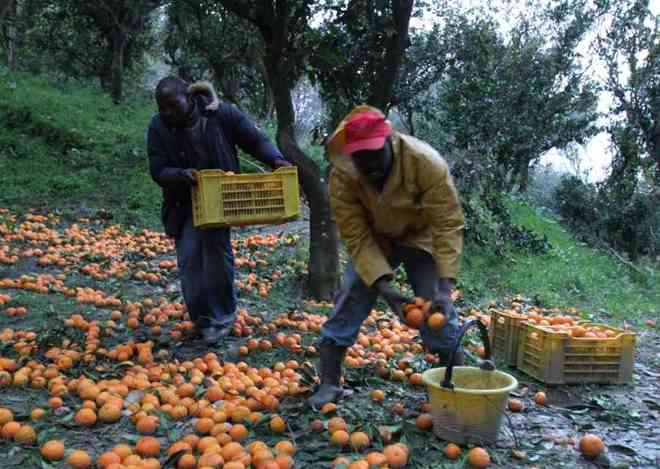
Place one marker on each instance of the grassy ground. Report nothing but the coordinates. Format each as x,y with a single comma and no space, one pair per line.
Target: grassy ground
73,149
569,274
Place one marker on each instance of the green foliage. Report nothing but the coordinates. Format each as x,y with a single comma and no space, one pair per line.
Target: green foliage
203,37
628,221
79,40
351,51
623,210
630,49
517,94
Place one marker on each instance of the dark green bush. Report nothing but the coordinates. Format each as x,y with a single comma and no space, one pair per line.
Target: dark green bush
629,221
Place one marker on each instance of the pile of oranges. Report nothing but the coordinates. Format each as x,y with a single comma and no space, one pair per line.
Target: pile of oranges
419,312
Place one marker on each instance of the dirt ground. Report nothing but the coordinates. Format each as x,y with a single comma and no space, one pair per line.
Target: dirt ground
128,267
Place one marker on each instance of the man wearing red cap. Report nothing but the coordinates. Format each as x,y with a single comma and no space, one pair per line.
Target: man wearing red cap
394,202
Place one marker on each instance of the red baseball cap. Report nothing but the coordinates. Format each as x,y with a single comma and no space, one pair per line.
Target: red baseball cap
366,131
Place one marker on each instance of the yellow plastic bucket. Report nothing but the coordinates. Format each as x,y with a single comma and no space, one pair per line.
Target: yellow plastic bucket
471,411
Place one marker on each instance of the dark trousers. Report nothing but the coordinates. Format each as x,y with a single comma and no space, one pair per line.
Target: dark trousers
206,269
355,301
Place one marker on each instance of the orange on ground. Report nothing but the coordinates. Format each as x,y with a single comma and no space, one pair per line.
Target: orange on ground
6,415
328,407
187,461
359,440
86,417
424,422
316,425
147,424
284,461
238,432
515,405
108,458
396,456
277,424
478,458
79,460
204,425
336,423
376,459
591,445
10,429
377,395
26,435
359,464
340,460
540,398
285,447
148,446
53,450
452,451
340,438
123,451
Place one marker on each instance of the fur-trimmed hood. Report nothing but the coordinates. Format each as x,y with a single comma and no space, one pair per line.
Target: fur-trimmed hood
205,90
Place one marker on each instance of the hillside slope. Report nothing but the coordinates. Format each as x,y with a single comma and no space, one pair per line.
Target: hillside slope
70,149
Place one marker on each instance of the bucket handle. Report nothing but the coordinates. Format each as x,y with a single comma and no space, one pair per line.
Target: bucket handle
483,332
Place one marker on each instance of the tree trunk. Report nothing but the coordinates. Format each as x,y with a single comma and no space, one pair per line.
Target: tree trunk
5,8
410,118
397,43
523,175
267,103
228,89
11,36
323,246
105,80
655,151
117,69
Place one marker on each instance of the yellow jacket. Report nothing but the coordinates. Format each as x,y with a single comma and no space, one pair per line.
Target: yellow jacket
418,207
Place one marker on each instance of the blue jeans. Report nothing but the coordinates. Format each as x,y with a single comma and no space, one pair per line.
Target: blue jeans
355,300
206,270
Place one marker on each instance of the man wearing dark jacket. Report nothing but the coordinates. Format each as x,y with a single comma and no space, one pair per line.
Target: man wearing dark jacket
193,130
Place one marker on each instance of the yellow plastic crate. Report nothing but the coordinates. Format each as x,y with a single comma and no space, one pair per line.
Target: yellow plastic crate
556,358
221,199
504,333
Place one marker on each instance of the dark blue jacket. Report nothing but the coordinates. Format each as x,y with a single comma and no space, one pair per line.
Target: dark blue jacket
169,154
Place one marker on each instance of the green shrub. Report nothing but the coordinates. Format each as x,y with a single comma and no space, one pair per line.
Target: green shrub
629,221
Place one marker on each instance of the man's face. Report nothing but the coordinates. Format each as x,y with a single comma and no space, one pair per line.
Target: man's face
374,165
174,108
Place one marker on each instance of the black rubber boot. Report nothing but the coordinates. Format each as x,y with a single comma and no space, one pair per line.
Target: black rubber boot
330,362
